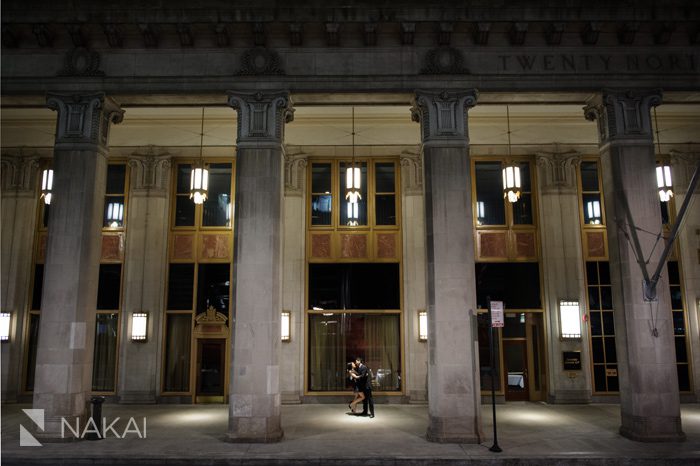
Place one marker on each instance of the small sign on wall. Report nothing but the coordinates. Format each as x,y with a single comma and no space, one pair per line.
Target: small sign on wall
572,360
497,314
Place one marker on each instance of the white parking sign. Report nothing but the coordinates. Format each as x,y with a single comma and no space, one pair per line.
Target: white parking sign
497,314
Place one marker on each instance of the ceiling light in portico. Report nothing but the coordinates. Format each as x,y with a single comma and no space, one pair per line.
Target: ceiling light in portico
46,185
511,172
199,179
663,170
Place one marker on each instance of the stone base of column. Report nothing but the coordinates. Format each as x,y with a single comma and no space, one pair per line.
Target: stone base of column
255,430
61,429
652,428
454,430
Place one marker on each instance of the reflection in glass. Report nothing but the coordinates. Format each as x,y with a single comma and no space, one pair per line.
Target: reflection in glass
105,352
589,177
180,286
109,286
321,209
177,353
385,205
489,190
217,207
116,179
213,284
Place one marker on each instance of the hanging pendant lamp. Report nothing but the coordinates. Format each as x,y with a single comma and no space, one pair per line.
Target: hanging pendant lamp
511,172
353,182
199,179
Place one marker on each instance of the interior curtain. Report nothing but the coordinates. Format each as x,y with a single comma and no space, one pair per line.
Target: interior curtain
327,352
105,353
177,361
383,351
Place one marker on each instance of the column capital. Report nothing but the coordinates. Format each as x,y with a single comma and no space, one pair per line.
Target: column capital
412,173
294,173
19,173
83,120
443,116
261,117
558,171
623,116
150,170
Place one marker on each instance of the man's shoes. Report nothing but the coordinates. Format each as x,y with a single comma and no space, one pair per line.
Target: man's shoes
363,413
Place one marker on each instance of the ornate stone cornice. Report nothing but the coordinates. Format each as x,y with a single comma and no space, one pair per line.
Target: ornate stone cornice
294,174
558,171
261,117
623,116
150,171
443,116
412,173
83,120
19,173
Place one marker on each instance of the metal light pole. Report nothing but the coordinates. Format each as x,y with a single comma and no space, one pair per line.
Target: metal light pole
494,448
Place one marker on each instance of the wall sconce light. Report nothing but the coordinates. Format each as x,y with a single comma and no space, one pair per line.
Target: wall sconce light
139,326
46,185
285,326
593,211
422,326
5,326
570,319
663,182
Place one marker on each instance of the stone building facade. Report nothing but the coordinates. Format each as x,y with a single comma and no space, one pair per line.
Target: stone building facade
260,295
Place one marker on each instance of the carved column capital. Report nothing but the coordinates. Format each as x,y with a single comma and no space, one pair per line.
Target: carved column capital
261,117
149,172
412,173
443,116
19,173
83,120
295,174
623,116
558,171
683,165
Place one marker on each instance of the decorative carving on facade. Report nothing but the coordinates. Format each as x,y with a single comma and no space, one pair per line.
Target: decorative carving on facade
260,61
150,171
81,61
114,35
443,116
44,35
261,116
517,33
408,33
444,33
481,33
211,316
19,173
558,171
444,60
296,37
623,115
412,173
222,35
332,34
683,165
84,120
553,33
294,174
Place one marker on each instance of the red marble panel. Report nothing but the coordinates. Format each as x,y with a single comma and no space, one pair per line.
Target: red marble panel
353,246
41,249
321,246
112,248
596,243
525,244
493,245
386,245
183,247
214,246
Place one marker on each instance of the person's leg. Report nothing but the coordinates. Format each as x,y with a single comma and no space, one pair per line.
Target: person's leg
366,395
370,401
359,396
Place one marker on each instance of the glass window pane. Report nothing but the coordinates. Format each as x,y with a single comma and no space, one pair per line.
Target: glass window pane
45,214
604,271
608,323
522,210
514,325
610,351
336,339
105,353
589,176
665,216
598,354
489,190
485,353
592,209
386,209
180,286
113,215
177,353
596,323
599,378
109,287
33,337
385,177
606,297
678,323
681,351
674,277
213,284
613,381
116,179
38,286
321,205
321,178
217,207
184,211
676,297
683,377
353,215
354,286
593,298
525,183
516,284
592,273
183,178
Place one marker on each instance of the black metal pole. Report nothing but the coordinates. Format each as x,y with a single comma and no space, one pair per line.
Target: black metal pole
494,448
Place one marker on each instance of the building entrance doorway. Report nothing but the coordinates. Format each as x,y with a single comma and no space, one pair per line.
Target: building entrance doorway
211,356
523,357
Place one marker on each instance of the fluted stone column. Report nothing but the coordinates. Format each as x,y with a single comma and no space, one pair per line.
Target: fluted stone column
66,330
454,395
254,404
643,330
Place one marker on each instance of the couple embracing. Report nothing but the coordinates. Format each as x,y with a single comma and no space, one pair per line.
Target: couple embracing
359,374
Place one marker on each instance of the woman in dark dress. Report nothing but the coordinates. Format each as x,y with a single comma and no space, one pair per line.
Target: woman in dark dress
359,396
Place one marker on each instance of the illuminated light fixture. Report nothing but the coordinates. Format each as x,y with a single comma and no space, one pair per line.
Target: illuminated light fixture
285,326
422,326
594,214
570,320
663,170
115,214
480,212
199,180
46,185
139,326
511,173
353,182
4,326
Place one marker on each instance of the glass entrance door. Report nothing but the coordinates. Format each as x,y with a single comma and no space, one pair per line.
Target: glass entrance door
211,356
523,357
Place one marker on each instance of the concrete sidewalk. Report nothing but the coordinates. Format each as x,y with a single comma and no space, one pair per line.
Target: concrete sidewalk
317,434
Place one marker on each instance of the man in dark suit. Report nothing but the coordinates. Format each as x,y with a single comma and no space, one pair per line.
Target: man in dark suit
365,384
